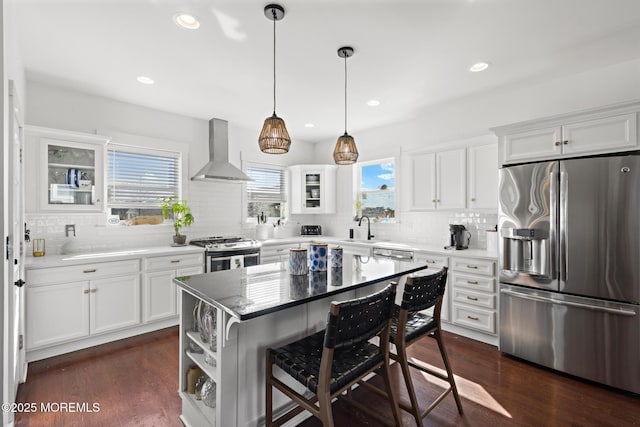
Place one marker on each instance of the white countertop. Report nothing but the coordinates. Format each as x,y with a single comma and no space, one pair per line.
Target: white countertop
408,246
111,255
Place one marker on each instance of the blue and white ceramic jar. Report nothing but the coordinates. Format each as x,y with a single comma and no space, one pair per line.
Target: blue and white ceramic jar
318,257
298,262
336,257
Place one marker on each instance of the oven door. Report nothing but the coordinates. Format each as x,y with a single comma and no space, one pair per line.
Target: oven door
228,260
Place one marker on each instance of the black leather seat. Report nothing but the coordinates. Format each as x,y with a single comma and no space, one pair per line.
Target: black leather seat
409,324
331,361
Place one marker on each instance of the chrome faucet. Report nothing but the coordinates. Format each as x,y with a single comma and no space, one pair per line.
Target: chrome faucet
369,235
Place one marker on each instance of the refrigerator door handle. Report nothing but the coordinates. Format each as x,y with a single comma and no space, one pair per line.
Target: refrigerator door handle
563,214
538,298
553,222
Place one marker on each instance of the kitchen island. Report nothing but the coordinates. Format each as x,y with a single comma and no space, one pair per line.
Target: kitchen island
259,307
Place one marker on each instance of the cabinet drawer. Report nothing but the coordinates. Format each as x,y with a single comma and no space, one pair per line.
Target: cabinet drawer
432,260
173,261
81,272
475,318
469,281
472,265
474,298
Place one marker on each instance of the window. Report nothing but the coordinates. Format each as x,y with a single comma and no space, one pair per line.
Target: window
376,196
138,177
267,193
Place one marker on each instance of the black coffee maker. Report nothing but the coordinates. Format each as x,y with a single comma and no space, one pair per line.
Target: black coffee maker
460,236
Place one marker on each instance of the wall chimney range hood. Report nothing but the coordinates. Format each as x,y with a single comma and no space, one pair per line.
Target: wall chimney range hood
219,168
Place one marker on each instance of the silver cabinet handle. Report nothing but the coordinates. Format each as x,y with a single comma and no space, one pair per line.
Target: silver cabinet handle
556,143
473,199
475,267
86,291
472,318
429,261
173,261
94,290
565,142
538,298
93,270
472,298
472,282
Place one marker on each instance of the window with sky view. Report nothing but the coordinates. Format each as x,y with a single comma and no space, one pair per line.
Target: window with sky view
376,194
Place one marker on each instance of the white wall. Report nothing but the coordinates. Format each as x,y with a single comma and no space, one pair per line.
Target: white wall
216,206
468,118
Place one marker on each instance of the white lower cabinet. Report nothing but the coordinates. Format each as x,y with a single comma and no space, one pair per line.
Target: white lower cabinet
159,291
435,263
64,312
474,294
56,313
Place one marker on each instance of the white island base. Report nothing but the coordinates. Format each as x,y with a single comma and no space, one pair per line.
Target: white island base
240,360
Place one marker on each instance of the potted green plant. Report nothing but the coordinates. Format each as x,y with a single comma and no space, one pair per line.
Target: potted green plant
181,213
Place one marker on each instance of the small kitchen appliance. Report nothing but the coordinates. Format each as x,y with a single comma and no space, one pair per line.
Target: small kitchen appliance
459,237
228,252
310,230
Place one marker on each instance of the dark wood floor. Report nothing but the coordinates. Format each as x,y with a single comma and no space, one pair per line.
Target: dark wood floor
135,383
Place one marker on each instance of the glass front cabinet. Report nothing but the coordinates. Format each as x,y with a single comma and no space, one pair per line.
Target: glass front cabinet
313,189
71,172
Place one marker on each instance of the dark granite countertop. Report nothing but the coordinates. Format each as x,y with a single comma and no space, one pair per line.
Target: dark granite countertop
254,291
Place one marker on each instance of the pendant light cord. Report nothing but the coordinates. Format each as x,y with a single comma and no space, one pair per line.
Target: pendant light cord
345,91
275,18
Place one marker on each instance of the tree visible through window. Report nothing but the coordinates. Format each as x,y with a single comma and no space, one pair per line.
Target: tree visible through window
376,191
267,193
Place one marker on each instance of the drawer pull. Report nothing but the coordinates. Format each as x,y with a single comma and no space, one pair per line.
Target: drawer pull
93,270
475,267
86,291
94,290
472,318
472,282
472,298
430,261
173,261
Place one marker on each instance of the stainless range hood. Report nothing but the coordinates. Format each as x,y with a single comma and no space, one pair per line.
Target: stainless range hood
219,168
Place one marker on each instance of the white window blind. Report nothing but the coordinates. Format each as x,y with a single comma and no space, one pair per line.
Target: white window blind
268,186
138,176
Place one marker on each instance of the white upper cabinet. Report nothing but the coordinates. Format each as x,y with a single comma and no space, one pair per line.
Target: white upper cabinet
69,174
437,180
451,179
482,176
599,131
313,189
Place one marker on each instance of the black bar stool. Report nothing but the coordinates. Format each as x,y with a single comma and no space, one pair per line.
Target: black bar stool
420,293
329,362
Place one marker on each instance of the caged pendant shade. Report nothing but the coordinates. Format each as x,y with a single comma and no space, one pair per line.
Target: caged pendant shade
274,138
345,152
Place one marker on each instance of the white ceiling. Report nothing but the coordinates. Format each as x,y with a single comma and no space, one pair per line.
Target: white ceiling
410,54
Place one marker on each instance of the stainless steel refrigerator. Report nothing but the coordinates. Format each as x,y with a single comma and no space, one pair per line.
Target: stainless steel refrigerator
569,261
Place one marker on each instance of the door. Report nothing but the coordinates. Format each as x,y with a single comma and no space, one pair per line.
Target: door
593,339
115,303
159,295
452,179
423,181
15,254
57,313
482,178
537,144
527,224
600,227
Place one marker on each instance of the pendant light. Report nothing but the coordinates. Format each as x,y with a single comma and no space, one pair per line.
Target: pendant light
274,138
345,152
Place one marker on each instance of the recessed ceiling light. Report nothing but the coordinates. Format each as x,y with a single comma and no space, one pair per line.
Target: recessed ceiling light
373,103
145,80
479,66
309,125
187,21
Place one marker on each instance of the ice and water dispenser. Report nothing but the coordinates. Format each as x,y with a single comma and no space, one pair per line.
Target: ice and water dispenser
526,250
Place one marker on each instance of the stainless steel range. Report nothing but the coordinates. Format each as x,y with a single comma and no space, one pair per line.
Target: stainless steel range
228,252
